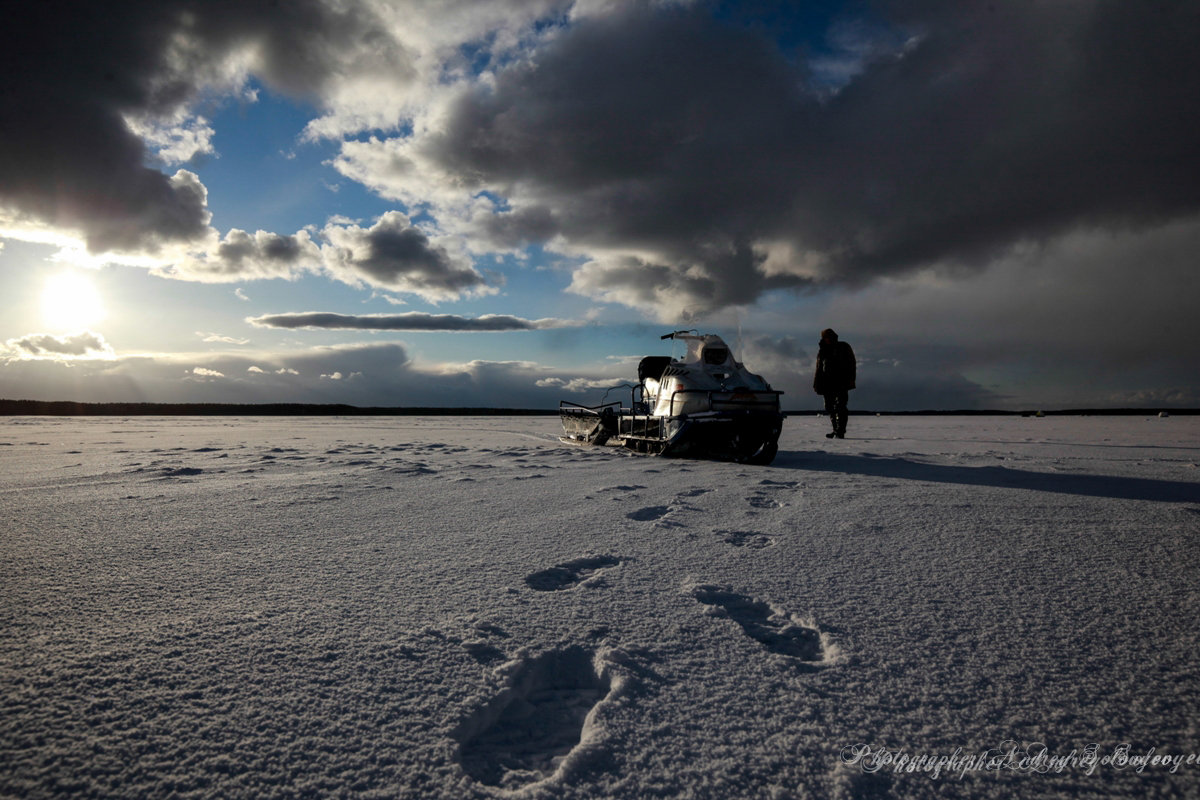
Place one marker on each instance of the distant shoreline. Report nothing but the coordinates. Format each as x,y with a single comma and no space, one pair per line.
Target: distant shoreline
68,408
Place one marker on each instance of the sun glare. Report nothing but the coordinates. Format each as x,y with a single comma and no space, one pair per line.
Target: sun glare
70,300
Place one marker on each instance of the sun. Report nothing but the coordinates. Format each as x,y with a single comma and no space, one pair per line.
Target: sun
70,300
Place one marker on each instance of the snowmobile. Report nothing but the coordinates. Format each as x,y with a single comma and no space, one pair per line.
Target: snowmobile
704,405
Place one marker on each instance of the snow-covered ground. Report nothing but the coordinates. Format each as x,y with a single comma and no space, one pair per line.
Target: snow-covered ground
465,607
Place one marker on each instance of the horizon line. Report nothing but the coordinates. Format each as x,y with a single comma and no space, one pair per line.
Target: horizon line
144,408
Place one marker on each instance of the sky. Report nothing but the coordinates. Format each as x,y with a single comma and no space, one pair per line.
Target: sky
505,203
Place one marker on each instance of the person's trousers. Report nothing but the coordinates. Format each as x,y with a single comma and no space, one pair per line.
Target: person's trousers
835,404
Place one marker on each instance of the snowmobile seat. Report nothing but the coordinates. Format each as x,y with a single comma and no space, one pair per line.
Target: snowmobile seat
652,367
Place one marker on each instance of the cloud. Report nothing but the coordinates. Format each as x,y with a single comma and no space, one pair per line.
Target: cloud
412,321
242,256
70,158
576,385
431,43
95,92
372,374
85,344
221,338
1082,317
394,254
691,165
391,253
930,377
776,356
1019,176
683,290
176,140
1091,296
686,159
98,93
893,375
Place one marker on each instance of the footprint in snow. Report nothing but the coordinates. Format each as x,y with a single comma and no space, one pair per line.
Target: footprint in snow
772,627
762,501
484,652
529,730
649,513
751,539
572,573
181,472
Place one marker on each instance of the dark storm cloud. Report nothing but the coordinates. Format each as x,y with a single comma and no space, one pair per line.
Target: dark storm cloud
74,72
645,131
394,254
412,321
776,353
697,145
1004,122
930,377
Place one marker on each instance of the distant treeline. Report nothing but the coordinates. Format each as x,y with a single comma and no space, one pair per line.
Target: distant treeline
69,408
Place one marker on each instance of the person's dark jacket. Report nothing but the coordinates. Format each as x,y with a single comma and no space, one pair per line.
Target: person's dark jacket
836,368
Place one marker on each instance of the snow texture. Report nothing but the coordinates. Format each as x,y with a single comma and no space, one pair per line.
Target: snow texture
466,607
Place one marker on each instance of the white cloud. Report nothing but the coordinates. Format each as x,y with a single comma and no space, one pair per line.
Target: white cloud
177,139
378,87
576,385
221,338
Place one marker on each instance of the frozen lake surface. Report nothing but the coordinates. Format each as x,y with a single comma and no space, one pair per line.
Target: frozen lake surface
465,607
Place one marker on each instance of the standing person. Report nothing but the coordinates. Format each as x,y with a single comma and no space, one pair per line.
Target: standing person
834,378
